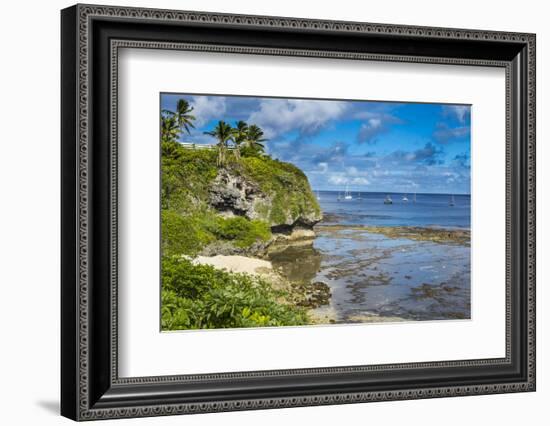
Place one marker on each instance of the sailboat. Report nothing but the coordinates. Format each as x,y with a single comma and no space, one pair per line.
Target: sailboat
318,196
347,194
388,200
405,199
339,196
414,198
452,201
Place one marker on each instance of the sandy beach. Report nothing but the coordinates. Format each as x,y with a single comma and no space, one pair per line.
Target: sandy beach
237,264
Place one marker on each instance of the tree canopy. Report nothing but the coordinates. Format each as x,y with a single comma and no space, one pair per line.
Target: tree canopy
242,138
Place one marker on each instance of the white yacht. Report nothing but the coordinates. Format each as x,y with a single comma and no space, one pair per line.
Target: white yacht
347,194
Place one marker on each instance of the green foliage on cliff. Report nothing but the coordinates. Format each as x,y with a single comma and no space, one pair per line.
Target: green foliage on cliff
188,223
200,296
186,177
188,174
188,234
241,231
286,184
183,234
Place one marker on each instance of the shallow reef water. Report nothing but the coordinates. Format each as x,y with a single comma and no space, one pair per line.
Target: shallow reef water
405,261
371,274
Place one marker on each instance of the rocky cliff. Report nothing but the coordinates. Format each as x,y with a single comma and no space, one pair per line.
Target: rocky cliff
245,205
286,202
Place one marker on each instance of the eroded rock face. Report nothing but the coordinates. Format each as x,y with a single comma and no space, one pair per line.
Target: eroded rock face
234,195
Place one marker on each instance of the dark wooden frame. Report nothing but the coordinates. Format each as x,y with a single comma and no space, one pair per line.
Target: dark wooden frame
90,386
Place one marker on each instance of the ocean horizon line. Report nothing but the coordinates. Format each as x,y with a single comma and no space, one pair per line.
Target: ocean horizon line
391,192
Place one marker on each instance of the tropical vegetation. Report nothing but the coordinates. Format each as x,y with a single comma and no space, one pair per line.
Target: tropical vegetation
243,138
173,123
200,296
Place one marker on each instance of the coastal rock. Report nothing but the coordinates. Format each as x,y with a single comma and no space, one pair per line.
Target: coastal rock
313,295
233,195
227,248
291,211
295,236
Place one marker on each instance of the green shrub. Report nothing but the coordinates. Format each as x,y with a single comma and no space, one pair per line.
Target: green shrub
183,234
186,176
189,234
241,231
200,296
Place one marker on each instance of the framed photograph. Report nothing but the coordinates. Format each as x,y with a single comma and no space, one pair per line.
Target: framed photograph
263,212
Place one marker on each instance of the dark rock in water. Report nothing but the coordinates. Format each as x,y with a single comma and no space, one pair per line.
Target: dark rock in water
332,217
313,295
433,291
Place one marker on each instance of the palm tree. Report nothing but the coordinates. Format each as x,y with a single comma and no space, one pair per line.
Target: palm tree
255,138
181,119
169,129
240,134
183,115
223,133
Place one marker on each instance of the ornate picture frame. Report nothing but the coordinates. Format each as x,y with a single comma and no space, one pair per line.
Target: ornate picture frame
91,37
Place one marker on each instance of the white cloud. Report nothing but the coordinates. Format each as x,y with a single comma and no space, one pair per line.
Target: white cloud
277,116
451,175
352,171
338,180
378,172
360,181
459,111
207,108
323,167
374,124
443,133
369,130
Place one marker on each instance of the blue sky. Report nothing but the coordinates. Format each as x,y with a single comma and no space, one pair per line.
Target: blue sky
368,146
